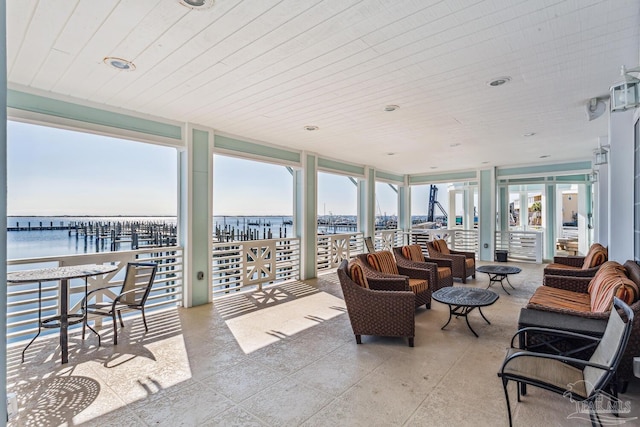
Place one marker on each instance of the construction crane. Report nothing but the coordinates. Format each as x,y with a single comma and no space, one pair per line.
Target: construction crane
433,202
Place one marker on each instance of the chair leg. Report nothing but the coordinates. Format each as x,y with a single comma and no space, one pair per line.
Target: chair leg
144,320
359,339
506,396
115,329
120,317
464,280
92,330
410,341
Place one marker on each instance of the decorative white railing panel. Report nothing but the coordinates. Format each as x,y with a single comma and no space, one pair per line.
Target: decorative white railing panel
248,265
333,248
457,239
521,245
385,240
22,298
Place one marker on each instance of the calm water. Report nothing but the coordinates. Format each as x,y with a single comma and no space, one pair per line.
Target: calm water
45,243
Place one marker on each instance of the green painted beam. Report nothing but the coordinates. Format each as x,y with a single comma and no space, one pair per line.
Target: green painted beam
246,147
336,166
82,113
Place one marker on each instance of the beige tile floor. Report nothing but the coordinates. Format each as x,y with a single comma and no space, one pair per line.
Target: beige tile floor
287,357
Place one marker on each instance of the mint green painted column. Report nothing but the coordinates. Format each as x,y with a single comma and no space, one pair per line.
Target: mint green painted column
404,209
367,203
550,227
305,213
195,215
3,204
487,214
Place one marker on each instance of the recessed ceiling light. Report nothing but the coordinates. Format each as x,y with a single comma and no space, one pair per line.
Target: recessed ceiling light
433,167
499,81
455,144
391,107
197,4
544,156
529,134
119,63
391,154
311,128
484,163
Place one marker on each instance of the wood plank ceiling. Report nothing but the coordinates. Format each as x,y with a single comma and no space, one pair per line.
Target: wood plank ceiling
264,69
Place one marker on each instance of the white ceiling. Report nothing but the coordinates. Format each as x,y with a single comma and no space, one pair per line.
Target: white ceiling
263,69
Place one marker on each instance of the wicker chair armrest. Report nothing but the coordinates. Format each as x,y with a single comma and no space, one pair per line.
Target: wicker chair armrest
393,283
573,261
569,283
441,262
416,273
589,272
466,254
585,314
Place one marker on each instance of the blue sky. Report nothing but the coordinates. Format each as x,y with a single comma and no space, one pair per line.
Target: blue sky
54,171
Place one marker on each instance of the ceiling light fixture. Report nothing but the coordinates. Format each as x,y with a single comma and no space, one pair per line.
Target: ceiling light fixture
391,107
311,128
499,81
391,154
119,63
197,4
544,156
600,155
455,144
624,95
529,134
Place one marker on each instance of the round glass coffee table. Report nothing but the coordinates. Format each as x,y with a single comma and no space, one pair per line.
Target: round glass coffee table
462,301
498,273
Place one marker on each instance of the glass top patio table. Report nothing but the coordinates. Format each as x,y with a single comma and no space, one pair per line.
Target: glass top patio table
63,275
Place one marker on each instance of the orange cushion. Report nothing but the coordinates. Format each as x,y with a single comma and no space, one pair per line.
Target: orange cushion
383,261
442,246
470,262
597,255
610,281
418,285
562,299
444,272
413,252
357,274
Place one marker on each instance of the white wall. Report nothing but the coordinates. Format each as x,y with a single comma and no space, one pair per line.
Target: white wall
620,187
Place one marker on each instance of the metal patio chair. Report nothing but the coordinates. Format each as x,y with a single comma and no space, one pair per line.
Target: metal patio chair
578,379
133,295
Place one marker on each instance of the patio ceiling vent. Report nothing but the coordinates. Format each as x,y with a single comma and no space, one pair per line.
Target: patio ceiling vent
197,4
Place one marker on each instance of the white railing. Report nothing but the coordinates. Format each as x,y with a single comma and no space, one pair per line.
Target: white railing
385,240
22,298
248,265
333,248
521,245
457,239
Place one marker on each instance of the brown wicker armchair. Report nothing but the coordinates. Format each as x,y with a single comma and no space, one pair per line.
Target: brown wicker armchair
579,286
373,311
381,264
411,256
463,263
579,266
